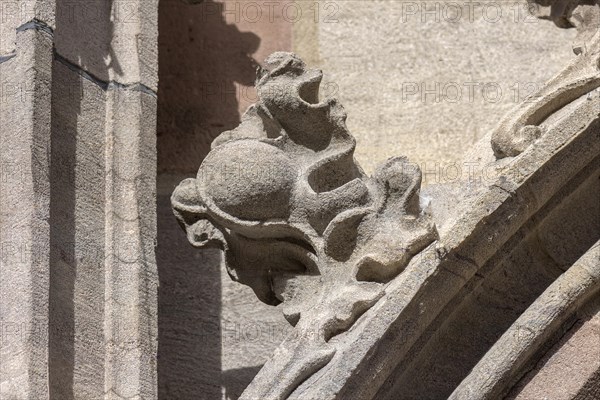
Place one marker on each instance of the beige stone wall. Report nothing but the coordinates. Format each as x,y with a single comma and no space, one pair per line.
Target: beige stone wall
428,79
425,79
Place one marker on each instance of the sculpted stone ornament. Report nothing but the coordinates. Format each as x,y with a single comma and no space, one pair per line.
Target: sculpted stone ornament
299,221
523,126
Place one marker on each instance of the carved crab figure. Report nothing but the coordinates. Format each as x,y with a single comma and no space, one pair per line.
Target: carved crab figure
297,218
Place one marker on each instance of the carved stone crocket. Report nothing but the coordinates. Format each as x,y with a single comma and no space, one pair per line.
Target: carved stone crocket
297,218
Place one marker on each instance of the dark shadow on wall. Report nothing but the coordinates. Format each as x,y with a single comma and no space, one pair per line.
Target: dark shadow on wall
201,58
237,380
189,305
61,333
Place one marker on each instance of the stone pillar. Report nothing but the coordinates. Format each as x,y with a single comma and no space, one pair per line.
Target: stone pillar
26,40
78,279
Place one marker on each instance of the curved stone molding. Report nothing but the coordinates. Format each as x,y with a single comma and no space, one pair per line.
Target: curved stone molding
523,126
298,219
513,353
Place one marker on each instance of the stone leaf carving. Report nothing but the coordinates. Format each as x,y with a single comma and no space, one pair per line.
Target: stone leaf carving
298,219
521,127
559,11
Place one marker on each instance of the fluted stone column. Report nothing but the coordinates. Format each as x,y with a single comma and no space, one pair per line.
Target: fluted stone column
78,276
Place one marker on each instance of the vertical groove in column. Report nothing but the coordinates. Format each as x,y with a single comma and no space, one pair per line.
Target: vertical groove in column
130,324
130,269
40,162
